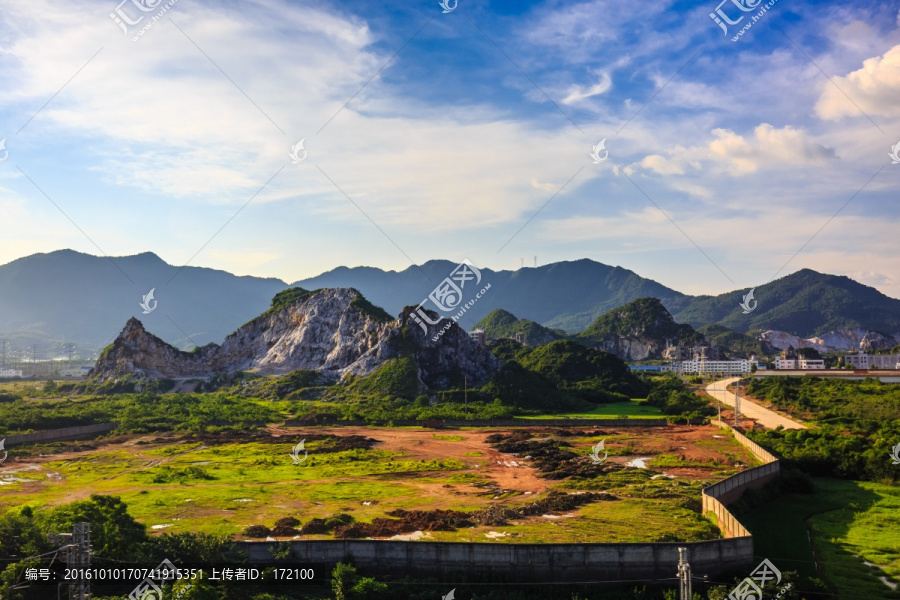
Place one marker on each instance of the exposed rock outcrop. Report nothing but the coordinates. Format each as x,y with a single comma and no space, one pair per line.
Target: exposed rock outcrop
833,341
333,331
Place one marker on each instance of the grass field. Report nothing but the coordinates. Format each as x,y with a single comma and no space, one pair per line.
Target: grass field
631,409
832,533
215,484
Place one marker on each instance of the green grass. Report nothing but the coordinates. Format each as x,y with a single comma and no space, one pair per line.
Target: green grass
848,522
224,488
661,520
631,409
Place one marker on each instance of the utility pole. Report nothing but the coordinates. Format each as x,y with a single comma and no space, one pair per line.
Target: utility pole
80,558
535,262
3,355
684,574
76,553
466,394
737,403
523,262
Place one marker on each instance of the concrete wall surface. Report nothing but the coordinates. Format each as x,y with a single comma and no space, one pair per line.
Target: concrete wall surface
514,562
58,435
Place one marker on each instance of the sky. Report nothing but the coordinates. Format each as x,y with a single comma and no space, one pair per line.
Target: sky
463,131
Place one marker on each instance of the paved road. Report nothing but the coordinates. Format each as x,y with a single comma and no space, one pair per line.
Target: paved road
763,416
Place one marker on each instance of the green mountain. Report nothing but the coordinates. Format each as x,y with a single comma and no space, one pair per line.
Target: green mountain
639,330
561,374
567,295
67,296
805,303
503,324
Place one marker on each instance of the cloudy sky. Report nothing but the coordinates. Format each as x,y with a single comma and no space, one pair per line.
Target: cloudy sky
464,134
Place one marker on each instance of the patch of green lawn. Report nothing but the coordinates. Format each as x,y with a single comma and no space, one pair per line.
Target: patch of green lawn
631,409
848,522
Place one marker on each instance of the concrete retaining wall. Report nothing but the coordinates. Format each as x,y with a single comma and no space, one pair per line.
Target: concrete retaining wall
717,496
59,435
515,562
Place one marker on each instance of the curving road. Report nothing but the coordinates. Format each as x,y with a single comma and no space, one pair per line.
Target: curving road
751,410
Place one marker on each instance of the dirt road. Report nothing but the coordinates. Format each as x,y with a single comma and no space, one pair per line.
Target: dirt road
761,415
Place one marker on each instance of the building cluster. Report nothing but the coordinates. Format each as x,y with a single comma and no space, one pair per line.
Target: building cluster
10,373
860,360
873,361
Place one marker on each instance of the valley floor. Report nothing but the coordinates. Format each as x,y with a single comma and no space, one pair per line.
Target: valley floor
225,482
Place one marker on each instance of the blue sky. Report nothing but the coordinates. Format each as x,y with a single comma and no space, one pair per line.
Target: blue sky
728,160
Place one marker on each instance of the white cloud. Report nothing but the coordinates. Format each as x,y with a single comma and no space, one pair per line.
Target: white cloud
578,93
728,152
874,89
162,118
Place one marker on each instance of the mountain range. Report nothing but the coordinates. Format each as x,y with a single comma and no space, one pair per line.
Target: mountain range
67,296
334,345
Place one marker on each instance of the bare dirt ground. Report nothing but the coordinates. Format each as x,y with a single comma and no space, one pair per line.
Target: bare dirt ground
417,444
500,479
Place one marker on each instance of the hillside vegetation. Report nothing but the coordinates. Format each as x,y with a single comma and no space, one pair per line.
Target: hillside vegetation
644,317
854,425
805,303
503,324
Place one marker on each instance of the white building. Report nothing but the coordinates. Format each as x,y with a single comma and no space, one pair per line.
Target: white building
10,373
701,366
76,373
799,363
873,361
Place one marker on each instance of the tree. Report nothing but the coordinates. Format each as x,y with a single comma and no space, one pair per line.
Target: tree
114,533
348,585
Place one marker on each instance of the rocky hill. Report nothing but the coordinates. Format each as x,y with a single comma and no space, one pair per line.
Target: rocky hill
336,332
639,330
841,340
503,324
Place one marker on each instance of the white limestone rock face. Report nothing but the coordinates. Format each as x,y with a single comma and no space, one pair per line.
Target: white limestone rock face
329,331
833,341
633,348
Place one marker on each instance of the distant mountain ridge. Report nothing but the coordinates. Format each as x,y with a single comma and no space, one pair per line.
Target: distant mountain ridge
805,303
61,296
567,295
74,297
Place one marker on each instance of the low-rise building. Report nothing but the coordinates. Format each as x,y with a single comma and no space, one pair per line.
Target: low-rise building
10,373
799,363
75,373
701,366
478,335
873,361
